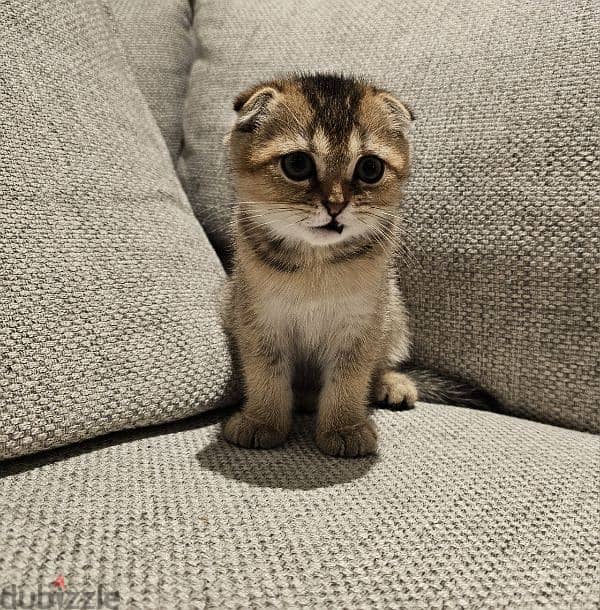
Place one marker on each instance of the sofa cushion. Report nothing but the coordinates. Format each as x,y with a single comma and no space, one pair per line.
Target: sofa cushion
461,509
159,42
108,286
502,222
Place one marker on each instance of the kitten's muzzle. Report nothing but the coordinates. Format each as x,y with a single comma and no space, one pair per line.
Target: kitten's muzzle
334,209
332,225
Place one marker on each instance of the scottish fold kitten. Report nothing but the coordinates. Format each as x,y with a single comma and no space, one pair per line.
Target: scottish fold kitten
319,162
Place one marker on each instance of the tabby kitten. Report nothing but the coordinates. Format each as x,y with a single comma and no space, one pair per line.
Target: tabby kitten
319,162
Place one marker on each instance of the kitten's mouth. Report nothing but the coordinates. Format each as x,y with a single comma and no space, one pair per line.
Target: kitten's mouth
332,225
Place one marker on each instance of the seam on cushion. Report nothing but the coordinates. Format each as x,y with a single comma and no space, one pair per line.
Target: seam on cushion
193,42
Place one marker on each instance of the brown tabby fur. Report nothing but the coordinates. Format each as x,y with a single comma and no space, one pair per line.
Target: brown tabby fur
310,308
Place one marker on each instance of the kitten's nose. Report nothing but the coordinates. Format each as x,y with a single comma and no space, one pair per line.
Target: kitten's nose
335,199
334,207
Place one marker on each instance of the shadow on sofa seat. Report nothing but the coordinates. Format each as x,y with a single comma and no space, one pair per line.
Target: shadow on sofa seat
295,465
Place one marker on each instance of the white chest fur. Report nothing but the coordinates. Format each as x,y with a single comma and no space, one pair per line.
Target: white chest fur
317,314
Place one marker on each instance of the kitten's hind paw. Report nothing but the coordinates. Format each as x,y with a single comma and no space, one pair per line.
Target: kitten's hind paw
351,441
396,390
247,432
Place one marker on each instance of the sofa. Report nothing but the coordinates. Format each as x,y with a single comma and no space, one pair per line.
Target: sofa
117,489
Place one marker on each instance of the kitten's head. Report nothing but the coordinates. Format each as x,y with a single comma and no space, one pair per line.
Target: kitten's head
320,159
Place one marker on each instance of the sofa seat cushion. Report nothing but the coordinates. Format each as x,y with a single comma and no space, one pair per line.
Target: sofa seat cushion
460,509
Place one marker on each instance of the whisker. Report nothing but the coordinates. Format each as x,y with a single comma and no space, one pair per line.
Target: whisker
402,249
270,222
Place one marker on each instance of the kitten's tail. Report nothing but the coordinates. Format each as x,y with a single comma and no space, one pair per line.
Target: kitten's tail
450,390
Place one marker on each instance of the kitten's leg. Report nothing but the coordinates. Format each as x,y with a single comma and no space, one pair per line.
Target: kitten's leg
395,389
343,425
266,417
389,386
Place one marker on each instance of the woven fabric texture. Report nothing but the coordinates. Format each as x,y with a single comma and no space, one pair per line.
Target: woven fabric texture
108,285
501,214
462,509
159,43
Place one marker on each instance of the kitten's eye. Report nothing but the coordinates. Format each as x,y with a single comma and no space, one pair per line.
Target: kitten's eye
369,169
298,166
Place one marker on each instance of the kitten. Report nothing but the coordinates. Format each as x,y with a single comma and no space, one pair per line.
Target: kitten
319,162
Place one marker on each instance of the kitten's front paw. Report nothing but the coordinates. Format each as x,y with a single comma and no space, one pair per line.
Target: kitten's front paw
351,441
250,433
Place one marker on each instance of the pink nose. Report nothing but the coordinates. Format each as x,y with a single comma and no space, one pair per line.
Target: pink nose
334,207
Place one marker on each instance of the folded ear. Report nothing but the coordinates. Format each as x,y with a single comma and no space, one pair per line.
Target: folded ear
254,106
401,116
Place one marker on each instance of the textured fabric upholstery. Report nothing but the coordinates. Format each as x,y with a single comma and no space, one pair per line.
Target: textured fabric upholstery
502,217
158,39
462,509
108,286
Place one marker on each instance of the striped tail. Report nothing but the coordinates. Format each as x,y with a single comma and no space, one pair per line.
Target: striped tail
448,389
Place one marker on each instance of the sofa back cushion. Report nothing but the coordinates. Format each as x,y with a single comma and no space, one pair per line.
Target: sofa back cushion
501,214
108,285
159,45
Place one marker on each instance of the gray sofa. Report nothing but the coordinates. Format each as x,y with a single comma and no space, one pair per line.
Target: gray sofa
461,509
117,490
